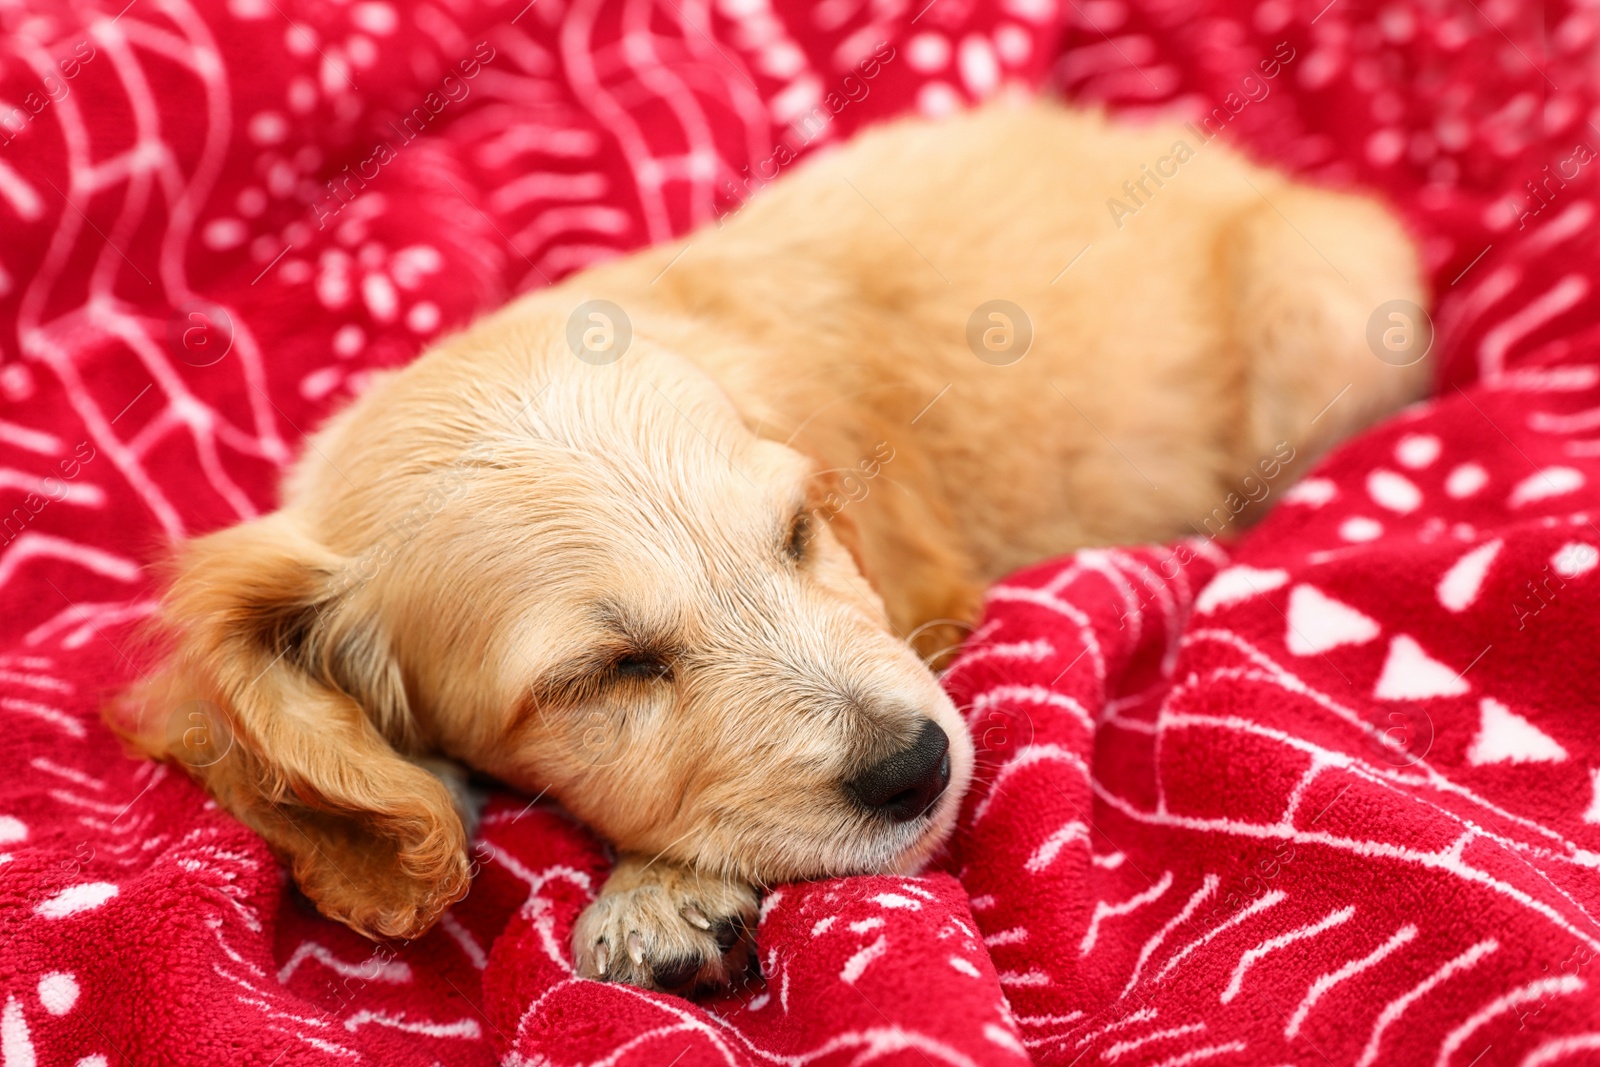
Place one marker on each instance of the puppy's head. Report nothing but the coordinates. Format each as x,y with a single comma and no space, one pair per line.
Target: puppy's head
592,581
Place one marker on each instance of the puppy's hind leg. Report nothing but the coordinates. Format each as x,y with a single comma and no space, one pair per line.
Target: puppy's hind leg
1310,271
661,926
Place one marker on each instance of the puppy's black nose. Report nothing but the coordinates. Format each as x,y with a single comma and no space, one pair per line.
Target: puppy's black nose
906,784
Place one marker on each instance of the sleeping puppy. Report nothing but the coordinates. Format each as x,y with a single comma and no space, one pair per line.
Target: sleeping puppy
664,541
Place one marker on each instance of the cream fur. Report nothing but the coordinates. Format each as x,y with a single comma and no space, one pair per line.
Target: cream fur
574,577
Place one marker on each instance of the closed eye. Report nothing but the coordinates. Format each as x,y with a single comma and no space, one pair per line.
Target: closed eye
642,667
799,539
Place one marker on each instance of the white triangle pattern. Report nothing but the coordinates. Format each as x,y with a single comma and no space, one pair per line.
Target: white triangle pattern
1317,622
1458,589
1236,584
1411,674
1506,737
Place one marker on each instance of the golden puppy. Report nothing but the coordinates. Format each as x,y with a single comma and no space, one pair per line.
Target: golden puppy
653,541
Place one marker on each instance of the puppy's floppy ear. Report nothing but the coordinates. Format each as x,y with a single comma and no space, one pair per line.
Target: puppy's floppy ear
315,705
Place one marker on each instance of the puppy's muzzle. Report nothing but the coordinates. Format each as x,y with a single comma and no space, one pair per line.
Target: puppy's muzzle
906,784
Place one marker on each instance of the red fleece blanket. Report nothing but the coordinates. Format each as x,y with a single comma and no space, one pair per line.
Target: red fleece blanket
1328,794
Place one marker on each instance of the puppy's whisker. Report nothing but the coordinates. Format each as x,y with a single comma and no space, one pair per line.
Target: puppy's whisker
898,485
931,623
932,658
831,470
669,844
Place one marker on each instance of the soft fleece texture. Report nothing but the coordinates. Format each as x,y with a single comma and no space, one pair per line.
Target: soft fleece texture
1326,795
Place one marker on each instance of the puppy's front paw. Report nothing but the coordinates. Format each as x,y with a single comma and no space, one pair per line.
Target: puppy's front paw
666,927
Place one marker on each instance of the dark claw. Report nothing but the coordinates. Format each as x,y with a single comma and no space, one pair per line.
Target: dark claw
676,973
728,932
